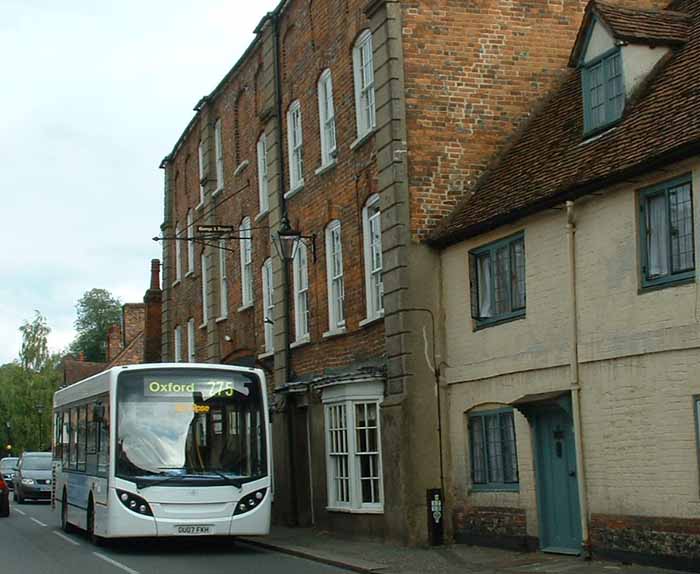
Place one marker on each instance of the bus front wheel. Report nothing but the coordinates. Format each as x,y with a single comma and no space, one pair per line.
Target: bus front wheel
96,540
65,525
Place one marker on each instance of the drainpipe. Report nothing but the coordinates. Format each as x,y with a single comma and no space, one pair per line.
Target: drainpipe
575,380
289,399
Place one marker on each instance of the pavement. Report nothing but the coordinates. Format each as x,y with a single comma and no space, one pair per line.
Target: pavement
373,557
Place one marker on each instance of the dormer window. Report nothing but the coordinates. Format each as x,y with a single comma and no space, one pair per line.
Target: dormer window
603,91
616,49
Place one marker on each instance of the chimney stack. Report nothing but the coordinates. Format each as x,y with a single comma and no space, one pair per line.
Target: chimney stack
153,300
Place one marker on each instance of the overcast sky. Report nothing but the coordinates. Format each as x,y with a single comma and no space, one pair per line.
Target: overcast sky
94,93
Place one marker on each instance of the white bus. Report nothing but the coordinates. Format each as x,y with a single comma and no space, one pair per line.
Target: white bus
171,449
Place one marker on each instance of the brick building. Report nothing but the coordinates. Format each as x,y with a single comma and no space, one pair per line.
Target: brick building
362,124
569,286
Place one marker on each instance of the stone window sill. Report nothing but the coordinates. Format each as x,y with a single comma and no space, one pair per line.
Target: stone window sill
293,192
372,320
326,167
335,332
361,140
355,510
245,307
266,355
241,167
305,340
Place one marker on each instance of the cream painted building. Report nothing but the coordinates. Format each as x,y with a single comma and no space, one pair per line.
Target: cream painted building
571,309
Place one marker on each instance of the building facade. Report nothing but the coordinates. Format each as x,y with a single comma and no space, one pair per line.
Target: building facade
570,287
361,125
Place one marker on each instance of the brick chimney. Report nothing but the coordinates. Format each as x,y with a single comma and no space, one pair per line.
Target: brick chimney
153,310
133,317
114,341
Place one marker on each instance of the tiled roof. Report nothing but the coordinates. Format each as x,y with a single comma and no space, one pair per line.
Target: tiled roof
636,26
647,26
550,161
74,370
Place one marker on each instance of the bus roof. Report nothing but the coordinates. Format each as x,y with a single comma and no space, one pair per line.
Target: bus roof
99,384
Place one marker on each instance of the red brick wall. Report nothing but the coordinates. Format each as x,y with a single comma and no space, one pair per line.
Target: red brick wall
114,341
315,36
319,35
473,72
134,314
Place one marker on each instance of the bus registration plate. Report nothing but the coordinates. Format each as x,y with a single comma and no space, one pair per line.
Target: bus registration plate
194,529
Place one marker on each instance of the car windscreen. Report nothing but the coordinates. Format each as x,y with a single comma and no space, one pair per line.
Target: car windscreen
36,463
8,464
184,426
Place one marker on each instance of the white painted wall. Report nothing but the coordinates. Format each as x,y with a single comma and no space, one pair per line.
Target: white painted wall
639,358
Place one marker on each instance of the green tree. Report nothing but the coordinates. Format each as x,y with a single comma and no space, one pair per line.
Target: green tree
34,353
97,311
27,391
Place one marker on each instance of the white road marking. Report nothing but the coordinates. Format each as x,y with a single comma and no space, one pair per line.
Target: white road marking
115,563
39,522
18,511
60,535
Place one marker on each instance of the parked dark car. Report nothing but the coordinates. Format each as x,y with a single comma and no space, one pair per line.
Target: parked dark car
4,498
33,477
8,468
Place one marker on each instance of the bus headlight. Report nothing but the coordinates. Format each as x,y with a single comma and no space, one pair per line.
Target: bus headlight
250,501
134,503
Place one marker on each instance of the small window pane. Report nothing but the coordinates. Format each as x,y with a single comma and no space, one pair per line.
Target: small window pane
518,274
681,228
477,450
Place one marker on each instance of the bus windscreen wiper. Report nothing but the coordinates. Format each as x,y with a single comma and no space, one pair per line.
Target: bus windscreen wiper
237,482
141,484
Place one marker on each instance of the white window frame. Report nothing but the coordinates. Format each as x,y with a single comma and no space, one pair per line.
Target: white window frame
300,270
191,345
344,399
268,305
372,240
326,115
335,277
363,64
223,281
263,189
178,344
205,298
295,143
200,161
178,254
190,242
219,152
246,245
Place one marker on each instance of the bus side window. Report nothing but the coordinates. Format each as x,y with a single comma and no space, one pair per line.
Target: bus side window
65,439
91,458
82,436
103,443
57,430
73,464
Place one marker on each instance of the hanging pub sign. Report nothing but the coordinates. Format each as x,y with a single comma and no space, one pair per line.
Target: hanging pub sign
214,229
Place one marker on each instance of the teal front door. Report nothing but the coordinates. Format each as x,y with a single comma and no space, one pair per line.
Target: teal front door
557,485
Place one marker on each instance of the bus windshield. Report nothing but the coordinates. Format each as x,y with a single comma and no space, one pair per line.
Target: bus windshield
179,427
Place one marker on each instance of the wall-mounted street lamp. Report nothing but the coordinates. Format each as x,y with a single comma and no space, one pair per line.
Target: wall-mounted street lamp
287,241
